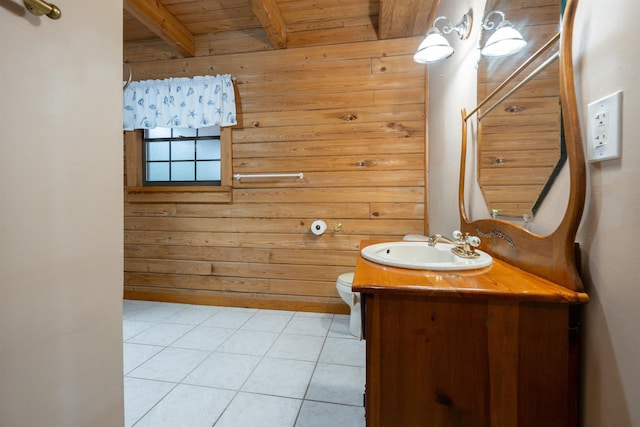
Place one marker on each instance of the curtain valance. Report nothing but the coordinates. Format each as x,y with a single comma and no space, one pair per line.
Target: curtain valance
180,102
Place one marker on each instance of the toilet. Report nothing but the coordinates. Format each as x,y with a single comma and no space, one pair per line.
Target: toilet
343,285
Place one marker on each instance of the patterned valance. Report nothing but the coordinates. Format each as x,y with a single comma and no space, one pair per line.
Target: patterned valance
180,103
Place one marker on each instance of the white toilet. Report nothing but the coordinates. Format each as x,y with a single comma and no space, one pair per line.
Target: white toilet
343,285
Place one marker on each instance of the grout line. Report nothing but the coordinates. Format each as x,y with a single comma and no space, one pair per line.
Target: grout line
236,392
315,366
160,400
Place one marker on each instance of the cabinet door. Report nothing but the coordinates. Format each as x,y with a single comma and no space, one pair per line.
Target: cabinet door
424,363
448,362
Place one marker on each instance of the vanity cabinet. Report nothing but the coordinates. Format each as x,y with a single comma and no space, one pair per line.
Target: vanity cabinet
491,347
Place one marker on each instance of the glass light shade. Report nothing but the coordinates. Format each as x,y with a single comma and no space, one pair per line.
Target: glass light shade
506,40
434,48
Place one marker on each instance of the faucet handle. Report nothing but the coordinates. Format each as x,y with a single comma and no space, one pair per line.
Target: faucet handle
465,238
473,241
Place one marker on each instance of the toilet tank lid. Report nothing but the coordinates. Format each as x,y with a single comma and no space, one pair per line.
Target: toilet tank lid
346,278
415,238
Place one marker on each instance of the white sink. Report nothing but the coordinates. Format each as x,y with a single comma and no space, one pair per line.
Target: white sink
421,256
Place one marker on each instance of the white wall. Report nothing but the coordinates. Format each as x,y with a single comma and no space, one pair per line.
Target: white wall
611,223
61,216
611,226
452,86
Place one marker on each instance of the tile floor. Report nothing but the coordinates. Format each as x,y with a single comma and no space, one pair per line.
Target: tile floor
192,365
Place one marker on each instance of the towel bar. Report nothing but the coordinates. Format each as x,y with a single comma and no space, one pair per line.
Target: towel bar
269,175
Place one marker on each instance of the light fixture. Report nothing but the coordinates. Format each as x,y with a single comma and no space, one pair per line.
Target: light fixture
506,40
435,47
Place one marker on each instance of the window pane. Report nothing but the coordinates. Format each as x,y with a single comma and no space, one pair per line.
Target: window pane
158,171
178,132
208,149
182,171
209,131
157,133
158,150
182,150
182,156
208,171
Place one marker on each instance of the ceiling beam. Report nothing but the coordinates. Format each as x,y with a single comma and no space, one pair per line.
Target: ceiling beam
153,15
271,19
405,18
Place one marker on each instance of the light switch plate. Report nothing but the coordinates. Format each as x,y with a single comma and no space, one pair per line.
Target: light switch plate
604,122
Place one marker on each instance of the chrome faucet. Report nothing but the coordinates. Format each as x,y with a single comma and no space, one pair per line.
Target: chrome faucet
463,244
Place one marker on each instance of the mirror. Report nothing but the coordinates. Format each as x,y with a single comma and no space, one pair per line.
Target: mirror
552,256
520,149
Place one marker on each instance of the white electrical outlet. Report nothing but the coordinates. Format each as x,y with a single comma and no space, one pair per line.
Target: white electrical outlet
604,121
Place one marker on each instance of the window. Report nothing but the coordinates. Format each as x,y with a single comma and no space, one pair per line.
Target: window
178,191
182,157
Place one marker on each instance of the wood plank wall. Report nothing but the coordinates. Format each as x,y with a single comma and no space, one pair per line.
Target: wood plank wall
351,117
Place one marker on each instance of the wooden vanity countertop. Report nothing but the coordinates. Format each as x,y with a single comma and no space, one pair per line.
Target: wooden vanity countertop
499,280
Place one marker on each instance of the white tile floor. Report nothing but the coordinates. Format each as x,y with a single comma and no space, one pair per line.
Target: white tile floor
192,365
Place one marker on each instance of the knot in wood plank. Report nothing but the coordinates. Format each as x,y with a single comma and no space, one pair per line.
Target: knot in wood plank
349,117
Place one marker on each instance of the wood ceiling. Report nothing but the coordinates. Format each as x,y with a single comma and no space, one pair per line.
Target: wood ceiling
186,28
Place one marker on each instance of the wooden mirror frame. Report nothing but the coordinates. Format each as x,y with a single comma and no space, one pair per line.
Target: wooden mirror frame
553,257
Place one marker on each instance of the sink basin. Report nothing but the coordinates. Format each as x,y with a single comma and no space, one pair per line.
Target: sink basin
421,256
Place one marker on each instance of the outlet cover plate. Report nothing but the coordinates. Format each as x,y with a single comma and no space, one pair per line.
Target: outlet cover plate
604,127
